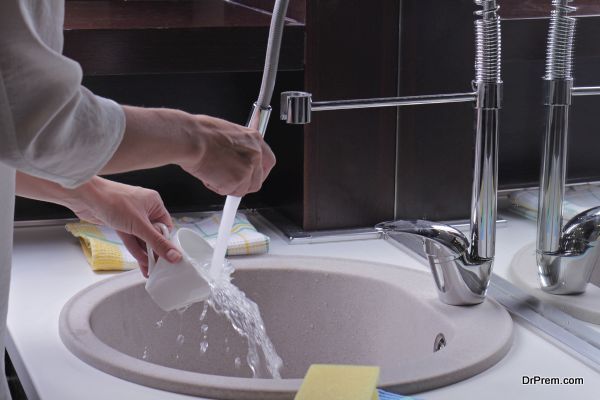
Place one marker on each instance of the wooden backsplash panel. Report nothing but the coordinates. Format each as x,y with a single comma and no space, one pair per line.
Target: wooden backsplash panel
435,142
352,52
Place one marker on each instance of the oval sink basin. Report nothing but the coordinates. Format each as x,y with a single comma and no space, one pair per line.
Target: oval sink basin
316,310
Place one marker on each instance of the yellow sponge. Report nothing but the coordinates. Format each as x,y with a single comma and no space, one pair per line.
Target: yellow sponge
339,382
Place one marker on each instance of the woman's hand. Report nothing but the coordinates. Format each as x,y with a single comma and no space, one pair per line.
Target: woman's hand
229,158
226,157
130,210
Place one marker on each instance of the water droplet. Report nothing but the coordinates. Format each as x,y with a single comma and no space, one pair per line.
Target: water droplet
226,340
159,324
180,339
204,311
203,347
145,355
237,362
204,328
227,349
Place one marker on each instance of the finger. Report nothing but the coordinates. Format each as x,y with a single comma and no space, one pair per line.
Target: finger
163,216
137,251
256,179
161,245
268,160
160,212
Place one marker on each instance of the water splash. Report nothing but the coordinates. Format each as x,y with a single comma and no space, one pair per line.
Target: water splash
228,300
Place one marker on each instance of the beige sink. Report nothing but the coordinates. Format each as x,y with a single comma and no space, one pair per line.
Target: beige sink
316,310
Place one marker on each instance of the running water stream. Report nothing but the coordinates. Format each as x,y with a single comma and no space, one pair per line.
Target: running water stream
227,219
228,300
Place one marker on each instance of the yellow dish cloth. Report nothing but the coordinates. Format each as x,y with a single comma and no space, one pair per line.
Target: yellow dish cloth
105,251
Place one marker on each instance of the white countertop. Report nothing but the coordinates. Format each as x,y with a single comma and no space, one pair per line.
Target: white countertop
49,268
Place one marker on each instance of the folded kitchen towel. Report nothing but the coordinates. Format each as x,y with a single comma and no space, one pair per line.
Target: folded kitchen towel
105,251
577,199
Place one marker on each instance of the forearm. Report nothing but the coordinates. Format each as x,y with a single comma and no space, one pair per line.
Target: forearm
82,197
226,157
153,138
40,189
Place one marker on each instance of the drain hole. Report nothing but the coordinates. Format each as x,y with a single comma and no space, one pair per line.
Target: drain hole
439,343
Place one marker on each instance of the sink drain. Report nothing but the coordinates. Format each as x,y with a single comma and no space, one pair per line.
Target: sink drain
439,342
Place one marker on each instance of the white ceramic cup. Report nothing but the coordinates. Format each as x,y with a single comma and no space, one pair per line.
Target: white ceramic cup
174,286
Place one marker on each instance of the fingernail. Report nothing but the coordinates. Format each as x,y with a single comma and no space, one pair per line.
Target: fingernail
173,255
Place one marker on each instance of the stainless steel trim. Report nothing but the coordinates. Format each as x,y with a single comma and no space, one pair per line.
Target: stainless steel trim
294,234
586,91
296,107
558,92
514,190
552,321
393,101
259,118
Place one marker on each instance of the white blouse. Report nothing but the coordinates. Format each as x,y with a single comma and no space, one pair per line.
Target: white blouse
50,126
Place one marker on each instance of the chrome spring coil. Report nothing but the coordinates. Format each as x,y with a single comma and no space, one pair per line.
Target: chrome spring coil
488,43
561,35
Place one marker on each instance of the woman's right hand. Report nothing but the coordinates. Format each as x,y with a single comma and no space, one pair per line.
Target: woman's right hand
228,158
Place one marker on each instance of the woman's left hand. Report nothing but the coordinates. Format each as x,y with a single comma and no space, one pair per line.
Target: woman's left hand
131,211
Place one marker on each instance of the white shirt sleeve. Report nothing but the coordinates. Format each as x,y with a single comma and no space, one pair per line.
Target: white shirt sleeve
50,126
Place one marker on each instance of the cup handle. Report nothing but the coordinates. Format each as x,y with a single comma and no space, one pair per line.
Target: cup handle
151,260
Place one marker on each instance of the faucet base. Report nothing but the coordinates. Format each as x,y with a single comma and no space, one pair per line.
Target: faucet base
566,274
460,280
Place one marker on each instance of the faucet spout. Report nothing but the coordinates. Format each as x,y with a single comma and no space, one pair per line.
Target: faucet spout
460,277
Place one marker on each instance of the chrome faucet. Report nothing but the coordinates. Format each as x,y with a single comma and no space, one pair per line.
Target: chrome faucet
461,268
566,256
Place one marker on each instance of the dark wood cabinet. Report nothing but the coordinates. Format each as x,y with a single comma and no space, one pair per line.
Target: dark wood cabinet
347,168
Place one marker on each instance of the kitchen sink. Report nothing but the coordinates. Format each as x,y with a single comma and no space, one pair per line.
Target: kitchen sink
316,310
